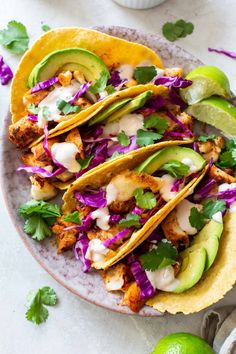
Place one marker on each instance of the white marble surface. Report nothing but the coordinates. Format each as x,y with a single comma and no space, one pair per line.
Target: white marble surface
74,326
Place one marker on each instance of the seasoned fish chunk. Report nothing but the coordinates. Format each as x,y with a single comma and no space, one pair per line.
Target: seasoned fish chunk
24,132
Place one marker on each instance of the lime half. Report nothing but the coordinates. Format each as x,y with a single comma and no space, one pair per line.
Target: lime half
216,111
207,81
182,343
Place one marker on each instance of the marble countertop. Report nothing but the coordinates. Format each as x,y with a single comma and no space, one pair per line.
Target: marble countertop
74,326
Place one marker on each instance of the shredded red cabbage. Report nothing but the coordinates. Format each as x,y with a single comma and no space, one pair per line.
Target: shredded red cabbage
156,236
173,81
95,199
176,99
203,192
156,103
5,72
223,51
115,218
175,134
32,117
115,80
177,121
195,146
146,111
108,242
44,173
82,90
137,210
140,276
80,249
123,149
228,196
177,184
44,84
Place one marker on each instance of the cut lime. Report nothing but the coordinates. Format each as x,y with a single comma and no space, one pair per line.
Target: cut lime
216,111
207,81
182,343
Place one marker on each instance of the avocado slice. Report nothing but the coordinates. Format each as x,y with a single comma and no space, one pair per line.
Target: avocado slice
159,158
70,58
136,103
208,238
108,111
191,270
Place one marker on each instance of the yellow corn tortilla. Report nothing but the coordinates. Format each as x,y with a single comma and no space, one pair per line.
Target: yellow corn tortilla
214,284
113,51
98,178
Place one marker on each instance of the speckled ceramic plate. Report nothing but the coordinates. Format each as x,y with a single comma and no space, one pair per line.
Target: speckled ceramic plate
64,268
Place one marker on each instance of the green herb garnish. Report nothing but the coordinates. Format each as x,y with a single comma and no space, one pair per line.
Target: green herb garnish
145,137
67,108
162,256
15,37
73,217
145,200
131,220
123,139
144,74
205,138
101,84
179,29
84,163
154,121
45,28
175,168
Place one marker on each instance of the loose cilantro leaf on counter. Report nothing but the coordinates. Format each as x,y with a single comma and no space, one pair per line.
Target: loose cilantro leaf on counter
179,29
196,219
154,121
145,138
101,84
73,217
37,313
123,139
45,28
67,108
211,207
144,74
15,37
175,168
205,138
131,220
163,255
84,163
145,200
39,217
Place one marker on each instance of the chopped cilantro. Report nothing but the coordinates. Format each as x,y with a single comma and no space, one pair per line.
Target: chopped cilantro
196,219
36,312
145,138
33,109
131,220
204,138
211,207
101,84
144,74
179,29
84,163
163,255
67,108
154,121
45,28
175,168
145,200
15,37
123,139
73,217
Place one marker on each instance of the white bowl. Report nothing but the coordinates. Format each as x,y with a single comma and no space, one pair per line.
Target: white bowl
139,4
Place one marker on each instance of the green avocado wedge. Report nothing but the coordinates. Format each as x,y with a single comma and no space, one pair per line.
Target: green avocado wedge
208,238
158,159
217,112
191,270
68,59
108,111
136,103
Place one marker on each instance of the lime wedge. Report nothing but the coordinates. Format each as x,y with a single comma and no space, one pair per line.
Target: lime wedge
207,81
217,112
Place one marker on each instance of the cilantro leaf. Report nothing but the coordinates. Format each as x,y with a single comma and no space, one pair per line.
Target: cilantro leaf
67,108
33,109
230,144
45,28
211,207
110,89
45,209
73,217
163,255
15,37
154,121
131,220
37,228
205,138
179,29
196,218
227,159
36,312
145,138
101,84
175,168
145,200
123,139
115,154
84,163
144,74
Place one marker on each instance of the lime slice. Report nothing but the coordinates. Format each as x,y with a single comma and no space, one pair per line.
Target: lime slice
182,343
207,81
216,111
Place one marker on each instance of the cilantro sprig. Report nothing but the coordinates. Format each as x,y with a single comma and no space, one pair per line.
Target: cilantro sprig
156,122
36,312
145,200
67,108
198,218
73,217
179,29
163,255
15,37
131,220
123,139
144,74
145,138
101,84
84,163
39,217
228,156
175,168
204,138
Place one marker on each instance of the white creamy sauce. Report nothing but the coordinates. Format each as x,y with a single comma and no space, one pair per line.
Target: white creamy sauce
96,251
218,217
226,187
65,154
59,93
183,211
126,71
190,164
167,182
163,279
121,189
102,218
129,123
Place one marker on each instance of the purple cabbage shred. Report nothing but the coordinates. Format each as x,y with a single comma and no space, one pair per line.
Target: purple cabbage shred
6,73
44,84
